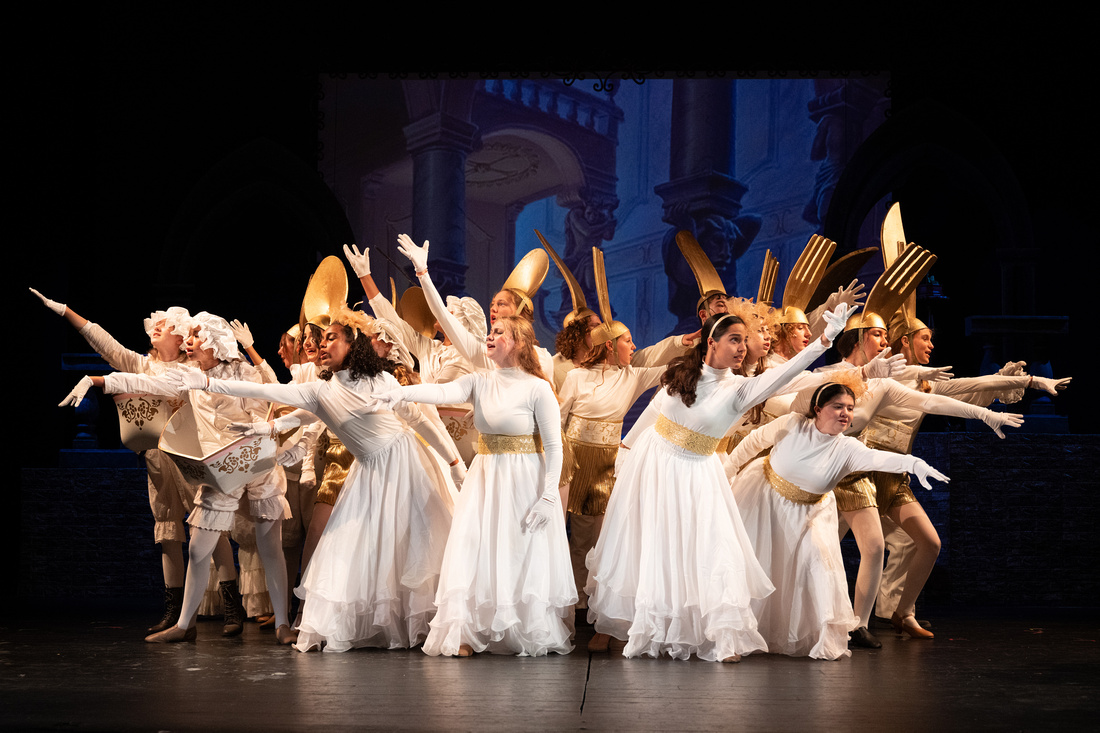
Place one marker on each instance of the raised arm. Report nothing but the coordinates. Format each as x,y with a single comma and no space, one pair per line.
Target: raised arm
471,347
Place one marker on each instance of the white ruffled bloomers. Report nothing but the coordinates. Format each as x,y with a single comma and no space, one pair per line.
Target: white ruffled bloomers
673,571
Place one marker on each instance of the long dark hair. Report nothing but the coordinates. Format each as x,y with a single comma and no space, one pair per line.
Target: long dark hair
683,373
362,360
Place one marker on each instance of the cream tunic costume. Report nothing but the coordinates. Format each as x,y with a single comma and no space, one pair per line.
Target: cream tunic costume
373,576
502,588
673,571
213,414
170,496
790,515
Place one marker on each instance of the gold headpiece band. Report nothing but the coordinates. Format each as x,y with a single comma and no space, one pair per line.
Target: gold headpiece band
527,277
610,329
803,280
705,274
580,306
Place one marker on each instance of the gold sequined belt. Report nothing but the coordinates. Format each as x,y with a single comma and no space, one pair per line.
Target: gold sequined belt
786,489
687,439
596,432
489,444
890,435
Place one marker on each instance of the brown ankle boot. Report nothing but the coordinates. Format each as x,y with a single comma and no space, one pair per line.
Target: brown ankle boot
173,602
234,608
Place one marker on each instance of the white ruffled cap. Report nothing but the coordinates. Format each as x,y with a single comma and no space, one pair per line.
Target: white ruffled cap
469,313
217,335
388,333
177,319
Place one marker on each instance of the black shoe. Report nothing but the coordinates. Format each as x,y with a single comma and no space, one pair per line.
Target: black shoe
173,604
861,637
580,617
234,608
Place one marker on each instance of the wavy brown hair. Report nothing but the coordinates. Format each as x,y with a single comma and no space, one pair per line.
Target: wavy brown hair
570,340
683,373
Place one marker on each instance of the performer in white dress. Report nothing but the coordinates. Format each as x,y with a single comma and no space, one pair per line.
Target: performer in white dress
506,584
673,571
787,506
372,579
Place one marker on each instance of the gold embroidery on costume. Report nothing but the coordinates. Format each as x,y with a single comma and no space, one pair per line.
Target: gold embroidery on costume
686,438
589,466
490,444
786,489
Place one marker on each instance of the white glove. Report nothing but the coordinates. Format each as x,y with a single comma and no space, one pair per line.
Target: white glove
542,512
852,295
1050,386
241,333
998,420
75,397
359,261
935,374
620,459
390,398
835,320
291,455
458,474
417,255
187,379
58,308
884,366
308,479
923,472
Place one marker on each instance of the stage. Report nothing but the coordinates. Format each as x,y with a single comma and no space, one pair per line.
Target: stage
90,670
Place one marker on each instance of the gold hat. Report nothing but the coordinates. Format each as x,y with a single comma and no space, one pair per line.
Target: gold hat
527,277
893,287
904,321
293,331
580,307
327,290
705,274
804,279
610,329
414,311
766,292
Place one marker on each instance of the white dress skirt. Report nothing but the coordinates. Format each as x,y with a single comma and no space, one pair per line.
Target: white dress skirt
503,589
673,570
372,579
789,511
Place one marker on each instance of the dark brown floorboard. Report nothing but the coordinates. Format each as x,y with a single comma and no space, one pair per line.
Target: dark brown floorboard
1017,671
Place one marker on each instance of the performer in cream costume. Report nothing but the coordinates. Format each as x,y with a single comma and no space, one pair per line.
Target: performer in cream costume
170,496
372,579
212,347
673,571
505,585
790,515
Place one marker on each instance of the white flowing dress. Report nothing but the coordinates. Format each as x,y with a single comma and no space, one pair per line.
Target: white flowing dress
372,579
673,571
809,614
502,588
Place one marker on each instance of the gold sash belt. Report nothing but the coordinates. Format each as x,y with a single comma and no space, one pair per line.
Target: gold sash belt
786,489
596,432
687,439
489,444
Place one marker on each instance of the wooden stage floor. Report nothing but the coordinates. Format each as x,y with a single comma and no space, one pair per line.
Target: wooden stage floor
91,671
